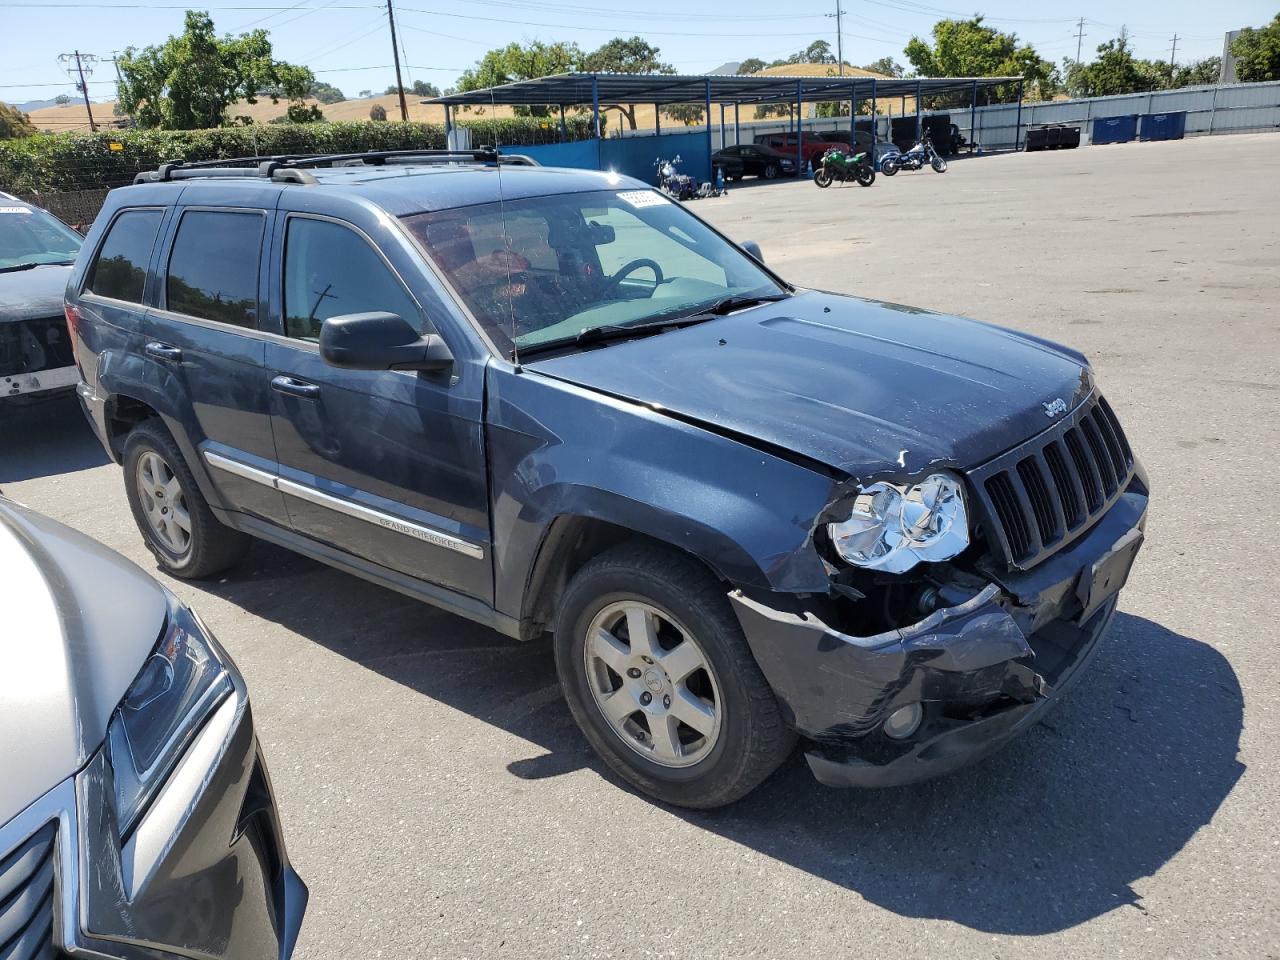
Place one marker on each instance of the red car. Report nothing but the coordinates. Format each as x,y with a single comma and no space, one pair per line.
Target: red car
812,146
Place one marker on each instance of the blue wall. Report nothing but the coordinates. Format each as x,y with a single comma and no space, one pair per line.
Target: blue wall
633,156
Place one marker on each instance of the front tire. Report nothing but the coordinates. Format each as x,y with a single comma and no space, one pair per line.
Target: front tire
822,177
172,514
771,172
661,681
939,165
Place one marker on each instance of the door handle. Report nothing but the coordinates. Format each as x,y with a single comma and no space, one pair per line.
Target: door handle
162,351
295,388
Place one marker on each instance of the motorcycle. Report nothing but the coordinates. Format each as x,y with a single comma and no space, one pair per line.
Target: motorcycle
677,185
836,165
915,158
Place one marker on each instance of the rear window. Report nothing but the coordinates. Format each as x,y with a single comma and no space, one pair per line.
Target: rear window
120,272
213,269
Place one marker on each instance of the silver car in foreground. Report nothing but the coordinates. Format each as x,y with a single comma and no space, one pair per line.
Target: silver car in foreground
136,815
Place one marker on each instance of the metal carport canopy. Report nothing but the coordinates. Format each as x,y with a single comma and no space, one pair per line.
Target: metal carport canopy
583,88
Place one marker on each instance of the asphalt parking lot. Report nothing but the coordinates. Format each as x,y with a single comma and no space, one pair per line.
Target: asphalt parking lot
440,803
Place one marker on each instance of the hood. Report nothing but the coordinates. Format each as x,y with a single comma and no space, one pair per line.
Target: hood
79,620
32,294
861,386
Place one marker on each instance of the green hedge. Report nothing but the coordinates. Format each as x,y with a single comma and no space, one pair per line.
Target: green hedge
53,163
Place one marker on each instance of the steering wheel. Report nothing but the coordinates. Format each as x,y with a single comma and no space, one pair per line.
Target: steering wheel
629,268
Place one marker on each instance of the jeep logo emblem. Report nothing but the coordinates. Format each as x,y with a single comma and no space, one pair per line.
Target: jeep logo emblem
1054,407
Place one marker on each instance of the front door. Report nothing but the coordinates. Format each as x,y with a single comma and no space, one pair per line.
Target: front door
387,465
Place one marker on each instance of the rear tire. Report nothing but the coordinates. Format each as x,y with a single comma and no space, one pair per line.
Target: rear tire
739,737
771,172
172,514
866,175
888,167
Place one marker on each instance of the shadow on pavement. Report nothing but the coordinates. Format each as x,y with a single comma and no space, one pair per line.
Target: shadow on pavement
1051,832
46,438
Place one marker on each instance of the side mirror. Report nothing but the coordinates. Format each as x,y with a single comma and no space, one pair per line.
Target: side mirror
380,341
752,248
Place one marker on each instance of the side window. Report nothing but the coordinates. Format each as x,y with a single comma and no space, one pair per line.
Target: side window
330,270
213,269
120,272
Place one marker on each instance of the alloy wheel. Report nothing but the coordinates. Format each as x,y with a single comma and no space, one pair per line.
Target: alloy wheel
163,503
653,684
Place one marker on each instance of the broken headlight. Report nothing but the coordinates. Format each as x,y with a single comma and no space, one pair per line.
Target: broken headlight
892,527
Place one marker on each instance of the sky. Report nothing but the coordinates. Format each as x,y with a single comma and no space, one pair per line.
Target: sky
347,43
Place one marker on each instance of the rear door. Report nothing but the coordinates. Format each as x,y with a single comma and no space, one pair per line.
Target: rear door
204,334
386,465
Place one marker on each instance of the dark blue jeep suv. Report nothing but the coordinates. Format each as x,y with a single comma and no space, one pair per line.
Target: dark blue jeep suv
556,401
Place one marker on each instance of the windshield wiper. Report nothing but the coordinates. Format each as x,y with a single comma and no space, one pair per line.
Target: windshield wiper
624,331
31,266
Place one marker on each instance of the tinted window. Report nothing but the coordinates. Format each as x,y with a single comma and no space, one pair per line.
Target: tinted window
120,271
213,270
330,270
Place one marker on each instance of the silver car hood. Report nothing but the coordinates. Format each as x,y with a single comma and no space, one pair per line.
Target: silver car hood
76,623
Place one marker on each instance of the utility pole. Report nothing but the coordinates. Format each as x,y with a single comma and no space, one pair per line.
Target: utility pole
1079,36
839,35
1173,56
395,52
83,87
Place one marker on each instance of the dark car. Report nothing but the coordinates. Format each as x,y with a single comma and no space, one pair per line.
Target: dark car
36,253
754,160
556,401
136,813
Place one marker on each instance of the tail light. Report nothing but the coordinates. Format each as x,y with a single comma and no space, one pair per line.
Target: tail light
73,319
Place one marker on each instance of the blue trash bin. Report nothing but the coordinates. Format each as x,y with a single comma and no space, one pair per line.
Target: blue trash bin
1163,126
1115,129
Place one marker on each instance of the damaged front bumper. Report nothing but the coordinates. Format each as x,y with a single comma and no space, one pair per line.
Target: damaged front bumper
983,670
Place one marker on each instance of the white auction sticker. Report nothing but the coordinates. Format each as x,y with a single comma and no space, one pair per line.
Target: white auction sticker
15,210
642,198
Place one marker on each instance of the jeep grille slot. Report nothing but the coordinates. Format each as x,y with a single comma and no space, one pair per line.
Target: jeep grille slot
1048,491
26,898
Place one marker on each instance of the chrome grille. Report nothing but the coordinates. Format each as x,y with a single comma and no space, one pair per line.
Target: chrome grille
26,899
1046,492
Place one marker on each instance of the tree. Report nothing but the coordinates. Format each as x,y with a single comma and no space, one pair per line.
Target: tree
62,99
686,113
1115,70
969,48
620,55
378,112
189,81
886,66
420,88
326,92
817,52
1257,52
516,62
751,65
364,94
1198,72
14,123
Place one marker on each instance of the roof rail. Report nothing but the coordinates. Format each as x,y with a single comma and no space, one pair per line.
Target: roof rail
292,168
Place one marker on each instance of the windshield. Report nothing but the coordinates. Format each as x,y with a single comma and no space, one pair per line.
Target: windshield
30,236
543,269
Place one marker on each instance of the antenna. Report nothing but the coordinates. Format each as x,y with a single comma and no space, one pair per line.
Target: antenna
84,64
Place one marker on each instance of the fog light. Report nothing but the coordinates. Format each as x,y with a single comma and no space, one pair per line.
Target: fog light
904,721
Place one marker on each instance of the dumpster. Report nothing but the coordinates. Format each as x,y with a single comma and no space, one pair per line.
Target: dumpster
1163,126
1115,129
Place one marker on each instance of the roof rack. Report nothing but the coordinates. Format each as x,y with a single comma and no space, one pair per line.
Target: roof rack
292,168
